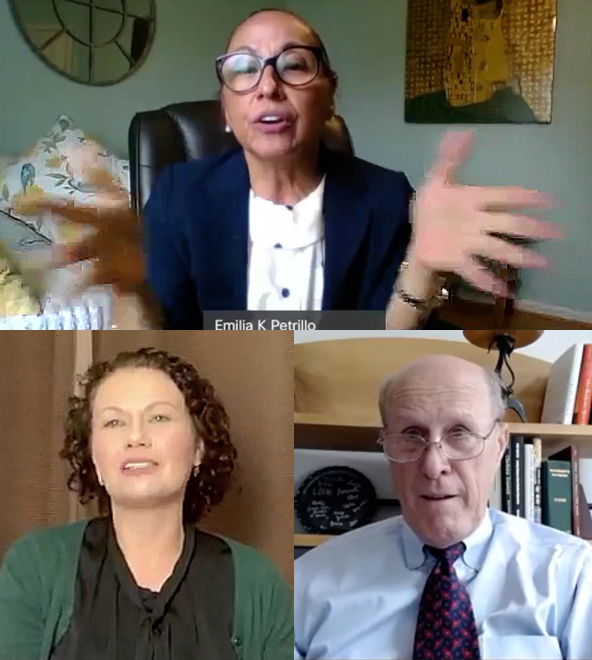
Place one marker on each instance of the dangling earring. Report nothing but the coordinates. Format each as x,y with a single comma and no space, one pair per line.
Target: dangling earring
101,482
195,470
228,129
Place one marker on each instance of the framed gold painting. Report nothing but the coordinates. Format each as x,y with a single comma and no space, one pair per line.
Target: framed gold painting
480,61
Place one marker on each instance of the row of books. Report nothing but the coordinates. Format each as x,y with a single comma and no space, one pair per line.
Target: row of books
568,398
543,491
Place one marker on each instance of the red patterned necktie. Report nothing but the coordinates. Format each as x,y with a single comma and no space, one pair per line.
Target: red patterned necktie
445,624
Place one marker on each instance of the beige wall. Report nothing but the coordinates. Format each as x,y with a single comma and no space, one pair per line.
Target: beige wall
36,370
252,372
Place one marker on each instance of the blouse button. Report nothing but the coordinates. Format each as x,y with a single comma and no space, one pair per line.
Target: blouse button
278,246
285,293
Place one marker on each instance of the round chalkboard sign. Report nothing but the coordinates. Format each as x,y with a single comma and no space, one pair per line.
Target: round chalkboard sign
335,500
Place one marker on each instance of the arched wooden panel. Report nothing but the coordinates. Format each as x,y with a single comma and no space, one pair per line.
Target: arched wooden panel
341,378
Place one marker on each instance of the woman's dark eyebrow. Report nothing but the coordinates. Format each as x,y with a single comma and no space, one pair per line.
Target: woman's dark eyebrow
293,44
242,49
288,44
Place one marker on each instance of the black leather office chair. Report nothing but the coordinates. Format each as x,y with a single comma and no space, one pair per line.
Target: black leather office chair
186,131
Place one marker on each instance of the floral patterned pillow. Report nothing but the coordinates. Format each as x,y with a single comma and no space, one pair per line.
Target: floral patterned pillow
53,168
15,296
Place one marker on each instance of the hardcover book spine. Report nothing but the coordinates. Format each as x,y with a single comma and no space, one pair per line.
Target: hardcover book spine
575,490
572,455
496,500
583,403
557,495
538,457
507,503
517,480
529,481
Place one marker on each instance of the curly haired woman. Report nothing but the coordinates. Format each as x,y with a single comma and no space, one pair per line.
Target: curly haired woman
149,438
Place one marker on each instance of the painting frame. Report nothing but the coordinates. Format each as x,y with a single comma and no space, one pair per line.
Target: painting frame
480,61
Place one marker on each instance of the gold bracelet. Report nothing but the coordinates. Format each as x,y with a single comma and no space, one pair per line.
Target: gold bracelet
421,304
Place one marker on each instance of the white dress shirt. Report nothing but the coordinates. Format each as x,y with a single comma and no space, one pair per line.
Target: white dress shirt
286,253
530,587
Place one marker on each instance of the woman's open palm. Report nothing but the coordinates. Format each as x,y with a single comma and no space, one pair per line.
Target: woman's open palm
454,223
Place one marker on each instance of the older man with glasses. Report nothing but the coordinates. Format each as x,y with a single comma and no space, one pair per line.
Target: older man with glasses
450,578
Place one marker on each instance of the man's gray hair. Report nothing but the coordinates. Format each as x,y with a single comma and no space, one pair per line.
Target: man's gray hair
497,391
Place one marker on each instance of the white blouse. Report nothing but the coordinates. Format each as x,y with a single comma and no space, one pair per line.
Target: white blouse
286,254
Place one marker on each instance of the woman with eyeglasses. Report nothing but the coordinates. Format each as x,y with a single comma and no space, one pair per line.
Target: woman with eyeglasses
282,222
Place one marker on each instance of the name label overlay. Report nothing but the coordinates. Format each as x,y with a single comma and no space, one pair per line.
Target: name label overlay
295,321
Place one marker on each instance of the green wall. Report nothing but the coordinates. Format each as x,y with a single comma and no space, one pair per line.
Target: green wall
180,67
366,41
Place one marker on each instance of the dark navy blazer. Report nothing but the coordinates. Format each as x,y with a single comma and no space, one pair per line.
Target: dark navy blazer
197,235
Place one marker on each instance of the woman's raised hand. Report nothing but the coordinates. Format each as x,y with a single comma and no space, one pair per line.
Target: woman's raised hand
452,224
113,240
114,245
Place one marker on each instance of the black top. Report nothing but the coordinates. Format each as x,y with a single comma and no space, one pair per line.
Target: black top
115,619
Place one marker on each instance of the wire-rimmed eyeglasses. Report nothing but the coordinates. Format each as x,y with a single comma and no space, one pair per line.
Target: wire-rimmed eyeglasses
296,66
458,444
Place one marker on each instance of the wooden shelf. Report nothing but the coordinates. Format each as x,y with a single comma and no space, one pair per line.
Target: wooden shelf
310,540
322,432
312,431
470,315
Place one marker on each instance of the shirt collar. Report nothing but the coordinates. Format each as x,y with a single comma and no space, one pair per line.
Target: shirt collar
298,227
311,200
474,555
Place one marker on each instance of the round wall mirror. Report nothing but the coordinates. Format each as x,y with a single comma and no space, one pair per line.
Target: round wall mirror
94,42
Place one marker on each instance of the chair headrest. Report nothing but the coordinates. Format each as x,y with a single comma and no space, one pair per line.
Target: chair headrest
190,130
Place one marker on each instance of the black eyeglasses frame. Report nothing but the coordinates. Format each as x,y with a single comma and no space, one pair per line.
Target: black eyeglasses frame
318,51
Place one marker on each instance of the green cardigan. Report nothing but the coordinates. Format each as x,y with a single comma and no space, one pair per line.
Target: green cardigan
37,587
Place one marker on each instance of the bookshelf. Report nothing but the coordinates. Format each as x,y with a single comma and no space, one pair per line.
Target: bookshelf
317,431
314,431
336,386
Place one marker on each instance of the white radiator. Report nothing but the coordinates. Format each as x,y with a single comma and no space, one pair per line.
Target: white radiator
91,312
